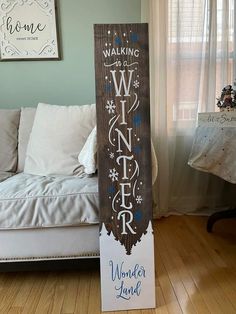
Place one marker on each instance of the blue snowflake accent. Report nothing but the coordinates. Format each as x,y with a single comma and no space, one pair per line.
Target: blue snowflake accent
137,149
134,37
138,215
108,87
137,120
111,189
118,41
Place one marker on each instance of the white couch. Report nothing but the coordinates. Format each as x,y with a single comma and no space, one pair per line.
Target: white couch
49,206
42,217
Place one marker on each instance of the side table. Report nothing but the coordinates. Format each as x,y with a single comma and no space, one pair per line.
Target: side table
214,151
224,214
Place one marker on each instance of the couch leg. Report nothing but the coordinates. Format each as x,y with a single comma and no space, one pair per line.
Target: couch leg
225,214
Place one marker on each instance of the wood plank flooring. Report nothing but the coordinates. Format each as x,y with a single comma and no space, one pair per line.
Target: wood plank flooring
195,273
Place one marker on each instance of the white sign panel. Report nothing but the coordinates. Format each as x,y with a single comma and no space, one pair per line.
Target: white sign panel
127,281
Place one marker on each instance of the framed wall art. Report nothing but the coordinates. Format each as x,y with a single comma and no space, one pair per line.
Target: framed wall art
28,30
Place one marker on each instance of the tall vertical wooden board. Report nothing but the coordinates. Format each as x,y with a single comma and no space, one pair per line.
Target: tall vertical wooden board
124,166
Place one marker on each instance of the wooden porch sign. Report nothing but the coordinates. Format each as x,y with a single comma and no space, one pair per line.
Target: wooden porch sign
124,163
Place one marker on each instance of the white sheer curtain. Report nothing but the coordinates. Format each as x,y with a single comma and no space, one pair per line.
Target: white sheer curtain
192,58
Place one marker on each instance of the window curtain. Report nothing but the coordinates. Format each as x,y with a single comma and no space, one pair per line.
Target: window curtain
191,59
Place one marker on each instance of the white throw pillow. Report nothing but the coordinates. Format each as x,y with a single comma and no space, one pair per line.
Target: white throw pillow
58,135
88,154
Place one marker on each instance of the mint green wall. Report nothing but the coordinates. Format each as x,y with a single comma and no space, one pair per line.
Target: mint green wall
71,80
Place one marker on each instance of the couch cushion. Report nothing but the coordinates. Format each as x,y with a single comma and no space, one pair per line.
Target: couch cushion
57,137
5,175
28,201
26,123
9,123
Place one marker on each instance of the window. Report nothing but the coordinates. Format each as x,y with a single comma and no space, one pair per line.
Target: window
200,54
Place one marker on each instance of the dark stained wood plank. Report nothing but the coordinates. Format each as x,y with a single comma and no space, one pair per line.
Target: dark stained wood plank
124,166
125,47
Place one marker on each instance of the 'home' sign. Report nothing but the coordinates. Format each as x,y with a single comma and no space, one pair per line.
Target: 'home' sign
124,163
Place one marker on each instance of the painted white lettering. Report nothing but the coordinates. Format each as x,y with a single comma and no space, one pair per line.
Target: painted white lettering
123,195
136,53
107,53
124,158
123,102
122,215
122,51
122,82
113,52
121,136
131,51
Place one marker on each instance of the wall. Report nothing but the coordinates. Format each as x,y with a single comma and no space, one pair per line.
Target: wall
70,81
145,11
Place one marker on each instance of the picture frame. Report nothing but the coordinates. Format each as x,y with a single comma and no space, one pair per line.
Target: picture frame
28,30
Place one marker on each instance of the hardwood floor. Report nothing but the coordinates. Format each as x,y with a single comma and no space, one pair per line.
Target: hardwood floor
195,273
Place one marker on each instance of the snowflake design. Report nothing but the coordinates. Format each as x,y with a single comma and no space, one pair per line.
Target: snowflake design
111,155
134,37
139,199
110,106
118,41
113,174
108,87
138,215
136,84
137,119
